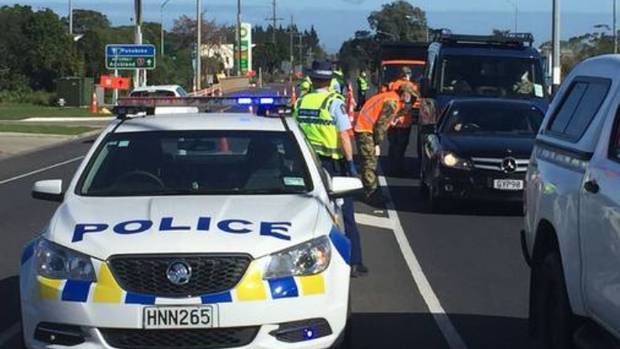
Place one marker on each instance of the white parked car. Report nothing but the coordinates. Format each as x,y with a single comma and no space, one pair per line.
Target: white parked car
191,231
572,222
159,91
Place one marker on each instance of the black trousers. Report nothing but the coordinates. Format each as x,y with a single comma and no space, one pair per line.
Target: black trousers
398,137
361,99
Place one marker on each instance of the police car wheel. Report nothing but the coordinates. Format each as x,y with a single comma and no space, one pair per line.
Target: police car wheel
555,322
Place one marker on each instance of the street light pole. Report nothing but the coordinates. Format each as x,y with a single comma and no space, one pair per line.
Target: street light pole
557,66
163,4
70,17
198,44
140,76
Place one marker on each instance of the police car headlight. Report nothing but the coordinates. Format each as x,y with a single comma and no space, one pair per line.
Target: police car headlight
309,258
56,262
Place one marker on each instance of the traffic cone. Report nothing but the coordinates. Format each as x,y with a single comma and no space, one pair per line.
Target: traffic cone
350,103
293,96
94,106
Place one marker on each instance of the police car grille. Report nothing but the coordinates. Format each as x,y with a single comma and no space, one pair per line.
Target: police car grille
210,274
180,339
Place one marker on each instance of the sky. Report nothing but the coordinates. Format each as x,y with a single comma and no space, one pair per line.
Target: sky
337,20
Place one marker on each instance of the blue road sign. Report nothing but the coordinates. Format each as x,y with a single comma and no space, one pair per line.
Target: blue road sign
130,57
130,50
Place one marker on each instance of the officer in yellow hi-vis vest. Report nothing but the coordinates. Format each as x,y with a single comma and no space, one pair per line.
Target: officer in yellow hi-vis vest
322,117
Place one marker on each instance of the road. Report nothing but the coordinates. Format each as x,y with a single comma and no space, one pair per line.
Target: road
454,280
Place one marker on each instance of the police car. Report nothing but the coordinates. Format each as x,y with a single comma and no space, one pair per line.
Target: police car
191,231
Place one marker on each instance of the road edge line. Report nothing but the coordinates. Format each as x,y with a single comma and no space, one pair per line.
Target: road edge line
47,168
454,339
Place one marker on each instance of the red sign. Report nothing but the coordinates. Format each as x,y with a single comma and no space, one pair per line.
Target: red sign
113,82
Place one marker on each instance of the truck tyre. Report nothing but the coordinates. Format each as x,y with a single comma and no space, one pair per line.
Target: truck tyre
554,320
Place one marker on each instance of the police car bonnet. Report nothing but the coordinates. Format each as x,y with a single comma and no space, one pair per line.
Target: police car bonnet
254,225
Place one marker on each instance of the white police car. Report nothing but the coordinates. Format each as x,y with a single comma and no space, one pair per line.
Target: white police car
191,231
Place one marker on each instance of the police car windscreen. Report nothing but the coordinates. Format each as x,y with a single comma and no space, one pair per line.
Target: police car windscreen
491,76
196,163
493,118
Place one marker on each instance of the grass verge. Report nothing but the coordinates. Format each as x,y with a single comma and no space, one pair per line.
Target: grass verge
24,111
45,129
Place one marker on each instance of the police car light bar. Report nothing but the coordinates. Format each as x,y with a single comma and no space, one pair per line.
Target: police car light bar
264,105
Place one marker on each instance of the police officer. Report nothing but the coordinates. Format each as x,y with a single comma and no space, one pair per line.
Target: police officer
323,119
362,89
373,121
305,86
337,83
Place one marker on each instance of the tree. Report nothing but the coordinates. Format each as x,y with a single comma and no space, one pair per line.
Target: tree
35,49
399,21
360,53
85,20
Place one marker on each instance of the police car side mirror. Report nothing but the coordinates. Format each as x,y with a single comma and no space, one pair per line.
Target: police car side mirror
345,186
50,190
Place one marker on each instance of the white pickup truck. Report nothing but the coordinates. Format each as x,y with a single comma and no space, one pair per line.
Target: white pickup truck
571,238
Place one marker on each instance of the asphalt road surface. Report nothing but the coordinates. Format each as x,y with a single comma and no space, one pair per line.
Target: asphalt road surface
455,280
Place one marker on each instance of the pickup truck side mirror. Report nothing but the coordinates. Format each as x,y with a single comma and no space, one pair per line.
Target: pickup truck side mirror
345,186
49,190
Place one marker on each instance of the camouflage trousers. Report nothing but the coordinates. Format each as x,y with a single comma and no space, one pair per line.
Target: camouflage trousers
368,161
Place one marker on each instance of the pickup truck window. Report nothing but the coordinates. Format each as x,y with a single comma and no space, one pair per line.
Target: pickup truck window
491,76
579,107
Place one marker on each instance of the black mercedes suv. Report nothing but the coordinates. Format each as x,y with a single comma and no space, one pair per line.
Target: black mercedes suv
479,150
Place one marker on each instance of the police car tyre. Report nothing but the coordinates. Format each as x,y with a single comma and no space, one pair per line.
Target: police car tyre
556,322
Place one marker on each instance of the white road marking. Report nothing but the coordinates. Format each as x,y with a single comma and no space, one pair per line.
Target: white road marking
373,221
12,179
430,298
10,333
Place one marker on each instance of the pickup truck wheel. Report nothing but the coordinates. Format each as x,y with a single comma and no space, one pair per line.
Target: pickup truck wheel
555,319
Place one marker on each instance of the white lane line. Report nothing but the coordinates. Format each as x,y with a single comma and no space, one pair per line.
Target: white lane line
10,333
12,179
430,298
373,221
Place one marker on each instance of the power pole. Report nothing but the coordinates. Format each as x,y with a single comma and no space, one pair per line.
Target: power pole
70,17
198,44
557,64
274,20
291,45
238,38
301,48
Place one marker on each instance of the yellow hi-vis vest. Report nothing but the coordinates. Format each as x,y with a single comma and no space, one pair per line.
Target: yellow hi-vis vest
316,122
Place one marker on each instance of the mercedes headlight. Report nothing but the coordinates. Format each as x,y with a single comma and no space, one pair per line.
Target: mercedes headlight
309,258
57,262
449,159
